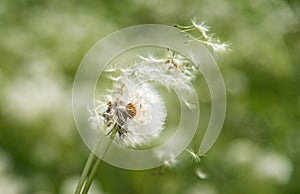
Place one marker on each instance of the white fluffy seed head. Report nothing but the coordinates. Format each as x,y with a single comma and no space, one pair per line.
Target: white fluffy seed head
134,106
136,109
150,113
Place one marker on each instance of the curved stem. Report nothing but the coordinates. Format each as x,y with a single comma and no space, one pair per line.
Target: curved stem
96,166
91,176
84,173
90,168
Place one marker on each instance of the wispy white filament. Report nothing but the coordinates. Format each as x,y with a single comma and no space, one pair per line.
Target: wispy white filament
204,36
173,71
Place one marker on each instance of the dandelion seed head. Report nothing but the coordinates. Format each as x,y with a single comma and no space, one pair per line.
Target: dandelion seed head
136,109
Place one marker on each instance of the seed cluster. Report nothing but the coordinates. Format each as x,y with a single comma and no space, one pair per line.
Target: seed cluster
116,115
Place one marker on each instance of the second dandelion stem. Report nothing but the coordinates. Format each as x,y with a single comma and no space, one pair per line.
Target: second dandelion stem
90,169
85,172
96,166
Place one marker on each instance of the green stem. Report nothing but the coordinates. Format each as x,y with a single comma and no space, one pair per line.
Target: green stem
84,173
89,170
91,176
96,166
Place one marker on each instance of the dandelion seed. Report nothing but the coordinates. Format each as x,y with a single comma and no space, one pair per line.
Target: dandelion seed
204,37
200,174
195,156
173,71
151,59
221,48
217,46
169,160
201,27
173,61
114,78
170,163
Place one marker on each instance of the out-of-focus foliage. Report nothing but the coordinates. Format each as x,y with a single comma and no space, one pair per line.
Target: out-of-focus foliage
43,42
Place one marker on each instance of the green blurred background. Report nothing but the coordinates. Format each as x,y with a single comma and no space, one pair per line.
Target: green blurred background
43,42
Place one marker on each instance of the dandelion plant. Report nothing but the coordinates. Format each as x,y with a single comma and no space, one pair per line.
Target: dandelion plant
132,113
